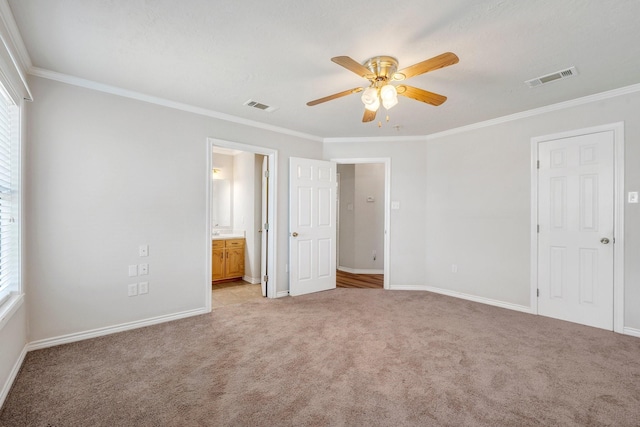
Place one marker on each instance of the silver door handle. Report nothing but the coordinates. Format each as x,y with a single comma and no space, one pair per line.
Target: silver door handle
604,241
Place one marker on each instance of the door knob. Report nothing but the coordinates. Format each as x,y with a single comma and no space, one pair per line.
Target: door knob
294,234
604,240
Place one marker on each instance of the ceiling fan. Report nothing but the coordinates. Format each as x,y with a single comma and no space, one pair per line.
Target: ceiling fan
381,71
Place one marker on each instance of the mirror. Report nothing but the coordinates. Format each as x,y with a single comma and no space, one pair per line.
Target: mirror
221,204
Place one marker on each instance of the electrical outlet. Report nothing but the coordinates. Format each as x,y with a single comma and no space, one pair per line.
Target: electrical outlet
133,289
143,288
143,250
133,270
143,269
454,268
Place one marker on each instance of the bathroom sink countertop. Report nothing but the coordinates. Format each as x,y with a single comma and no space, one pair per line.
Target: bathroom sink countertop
228,236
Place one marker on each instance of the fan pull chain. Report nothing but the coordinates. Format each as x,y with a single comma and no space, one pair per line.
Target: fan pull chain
387,118
379,124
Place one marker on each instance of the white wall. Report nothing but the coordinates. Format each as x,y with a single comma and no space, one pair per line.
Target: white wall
361,221
465,199
346,230
13,339
408,176
369,224
244,180
107,174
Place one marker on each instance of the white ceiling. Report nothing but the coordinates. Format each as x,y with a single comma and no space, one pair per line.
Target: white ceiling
216,54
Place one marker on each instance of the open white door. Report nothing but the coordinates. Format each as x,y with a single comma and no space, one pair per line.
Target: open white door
312,226
264,273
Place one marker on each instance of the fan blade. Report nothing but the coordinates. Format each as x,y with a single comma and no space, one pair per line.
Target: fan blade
434,63
354,66
334,96
369,116
421,95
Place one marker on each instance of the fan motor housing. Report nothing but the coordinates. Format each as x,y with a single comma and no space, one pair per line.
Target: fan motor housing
384,67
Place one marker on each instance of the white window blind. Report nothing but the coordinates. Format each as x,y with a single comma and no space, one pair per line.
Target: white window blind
8,187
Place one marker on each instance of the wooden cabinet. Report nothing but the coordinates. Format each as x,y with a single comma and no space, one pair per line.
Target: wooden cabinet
227,259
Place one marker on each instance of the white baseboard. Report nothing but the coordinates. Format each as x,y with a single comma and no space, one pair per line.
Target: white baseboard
360,270
94,333
12,376
455,294
631,331
282,294
252,280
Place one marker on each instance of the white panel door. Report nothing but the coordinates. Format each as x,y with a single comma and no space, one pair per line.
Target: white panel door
576,219
312,226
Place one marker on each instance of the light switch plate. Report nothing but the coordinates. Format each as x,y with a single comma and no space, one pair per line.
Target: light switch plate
133,270
133,289
143,288
633,197
395,205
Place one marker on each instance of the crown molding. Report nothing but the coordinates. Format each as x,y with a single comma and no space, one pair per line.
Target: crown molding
15,49
114,90
504,119
376,139
24,60
89,84
538,111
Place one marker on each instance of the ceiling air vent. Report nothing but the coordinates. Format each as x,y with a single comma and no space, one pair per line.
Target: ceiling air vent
558,75
260,106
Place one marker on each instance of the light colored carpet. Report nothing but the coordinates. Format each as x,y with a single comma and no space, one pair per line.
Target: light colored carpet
345,357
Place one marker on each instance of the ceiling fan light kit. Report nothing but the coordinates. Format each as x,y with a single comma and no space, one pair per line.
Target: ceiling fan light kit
381,71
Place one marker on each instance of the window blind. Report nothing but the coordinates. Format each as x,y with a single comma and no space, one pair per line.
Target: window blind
7,188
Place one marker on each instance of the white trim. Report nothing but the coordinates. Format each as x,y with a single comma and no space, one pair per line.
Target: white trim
99,332
15,36
619,201
533,231
631,331
499,120
360,270
207,226
76,81
375,139
387,204
23,61
282,294
12,376
461,295
9,307
252,280
100,87
273,212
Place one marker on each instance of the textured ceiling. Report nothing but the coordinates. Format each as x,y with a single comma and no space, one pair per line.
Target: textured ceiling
216,54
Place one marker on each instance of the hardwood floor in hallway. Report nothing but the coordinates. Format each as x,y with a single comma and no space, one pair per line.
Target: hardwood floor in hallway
237,292
363,281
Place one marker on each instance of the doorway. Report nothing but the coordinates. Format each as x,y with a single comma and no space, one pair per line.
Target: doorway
244,217
363,222
577,211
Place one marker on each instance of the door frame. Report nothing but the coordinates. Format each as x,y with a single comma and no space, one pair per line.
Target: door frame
272,155
387,203
618,215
